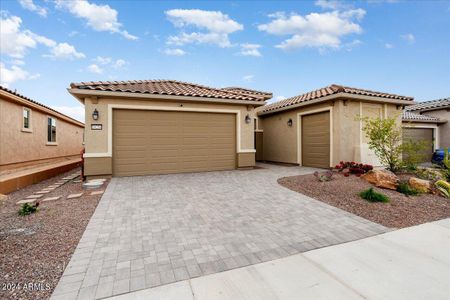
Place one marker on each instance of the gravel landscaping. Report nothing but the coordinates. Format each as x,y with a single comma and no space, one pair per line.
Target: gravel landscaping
342,192
34,249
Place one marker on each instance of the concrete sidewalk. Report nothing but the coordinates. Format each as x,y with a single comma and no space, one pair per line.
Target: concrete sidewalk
411,263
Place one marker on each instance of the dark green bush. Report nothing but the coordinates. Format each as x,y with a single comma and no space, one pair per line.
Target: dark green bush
27,209
405,189
372,196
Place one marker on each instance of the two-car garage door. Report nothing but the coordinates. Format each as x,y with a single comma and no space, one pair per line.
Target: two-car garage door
162,142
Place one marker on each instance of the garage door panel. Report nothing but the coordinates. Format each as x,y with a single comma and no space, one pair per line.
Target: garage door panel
172,142
315,143
420,134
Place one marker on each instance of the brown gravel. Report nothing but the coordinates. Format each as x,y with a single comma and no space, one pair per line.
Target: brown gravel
36,248
342,192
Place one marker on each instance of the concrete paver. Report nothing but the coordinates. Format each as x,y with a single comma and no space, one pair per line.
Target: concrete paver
188,225
51,198
394,265
72,196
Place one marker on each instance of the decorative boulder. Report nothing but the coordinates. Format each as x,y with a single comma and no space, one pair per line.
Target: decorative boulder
423,186
382,178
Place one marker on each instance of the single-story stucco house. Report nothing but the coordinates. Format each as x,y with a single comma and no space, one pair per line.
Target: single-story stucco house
37,142
323,127
165,126
430,121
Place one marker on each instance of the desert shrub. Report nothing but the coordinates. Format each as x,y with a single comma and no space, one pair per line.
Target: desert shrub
404,188
28,209
443,187
373,196
413,153
385,139
325,176
430,174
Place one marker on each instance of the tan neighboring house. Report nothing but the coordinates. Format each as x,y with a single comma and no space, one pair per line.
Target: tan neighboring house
323,127
165,126
37,142
430,121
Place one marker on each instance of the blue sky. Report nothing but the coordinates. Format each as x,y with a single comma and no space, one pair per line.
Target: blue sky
287,48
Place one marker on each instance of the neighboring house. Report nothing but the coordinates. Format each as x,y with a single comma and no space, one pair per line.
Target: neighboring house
429,120
165,126
323,127
34,135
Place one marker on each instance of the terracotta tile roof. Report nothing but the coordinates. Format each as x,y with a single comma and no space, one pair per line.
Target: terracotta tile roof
327,91
410,116
239,90
430,105
165,87
37,103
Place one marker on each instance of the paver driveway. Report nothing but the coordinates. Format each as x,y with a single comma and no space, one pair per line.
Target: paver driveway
153,230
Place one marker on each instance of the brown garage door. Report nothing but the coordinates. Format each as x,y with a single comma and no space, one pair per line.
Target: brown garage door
316,140
162,142
420,134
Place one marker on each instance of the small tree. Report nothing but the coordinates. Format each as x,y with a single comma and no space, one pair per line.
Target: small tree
385,139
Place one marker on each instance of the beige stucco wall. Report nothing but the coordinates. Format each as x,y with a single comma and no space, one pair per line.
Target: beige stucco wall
96,141
280,140
444,129
17,146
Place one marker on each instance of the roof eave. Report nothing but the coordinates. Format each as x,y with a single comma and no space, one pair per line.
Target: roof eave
336,97
80,94
424,121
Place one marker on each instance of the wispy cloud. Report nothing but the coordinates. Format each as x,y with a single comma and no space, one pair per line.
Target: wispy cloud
409,37
93,68
98,17
10,75
250,50
31,6
76,112
315,30
213,27
388,46
248,78
175,52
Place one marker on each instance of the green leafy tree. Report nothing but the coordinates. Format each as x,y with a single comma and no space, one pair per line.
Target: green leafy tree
385,139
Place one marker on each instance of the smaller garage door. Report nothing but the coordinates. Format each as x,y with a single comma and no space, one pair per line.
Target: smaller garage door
420,134
316,140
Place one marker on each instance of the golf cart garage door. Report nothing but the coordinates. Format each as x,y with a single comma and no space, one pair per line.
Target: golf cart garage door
316,140
420,134
162,142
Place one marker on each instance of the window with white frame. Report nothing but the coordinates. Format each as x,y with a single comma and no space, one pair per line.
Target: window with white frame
26,118
51,130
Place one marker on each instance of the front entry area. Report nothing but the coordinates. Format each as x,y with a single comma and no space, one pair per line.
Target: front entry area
149,142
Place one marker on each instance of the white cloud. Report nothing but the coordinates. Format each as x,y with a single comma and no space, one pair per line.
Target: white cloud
29,5
330,4
95,69
15,42
15,73
18,62
98,17
119,63
102,60
76,112
250,50
315,30
409,37
65,51
248,78
175,52
388,46
215,27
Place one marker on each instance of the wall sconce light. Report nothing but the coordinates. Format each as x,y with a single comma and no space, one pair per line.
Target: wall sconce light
95,115
289,123
248,120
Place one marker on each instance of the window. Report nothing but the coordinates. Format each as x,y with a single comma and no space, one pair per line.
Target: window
51,130
26,118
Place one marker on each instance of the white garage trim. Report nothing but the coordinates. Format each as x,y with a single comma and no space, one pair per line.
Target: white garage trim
168,108
299,131
435,133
